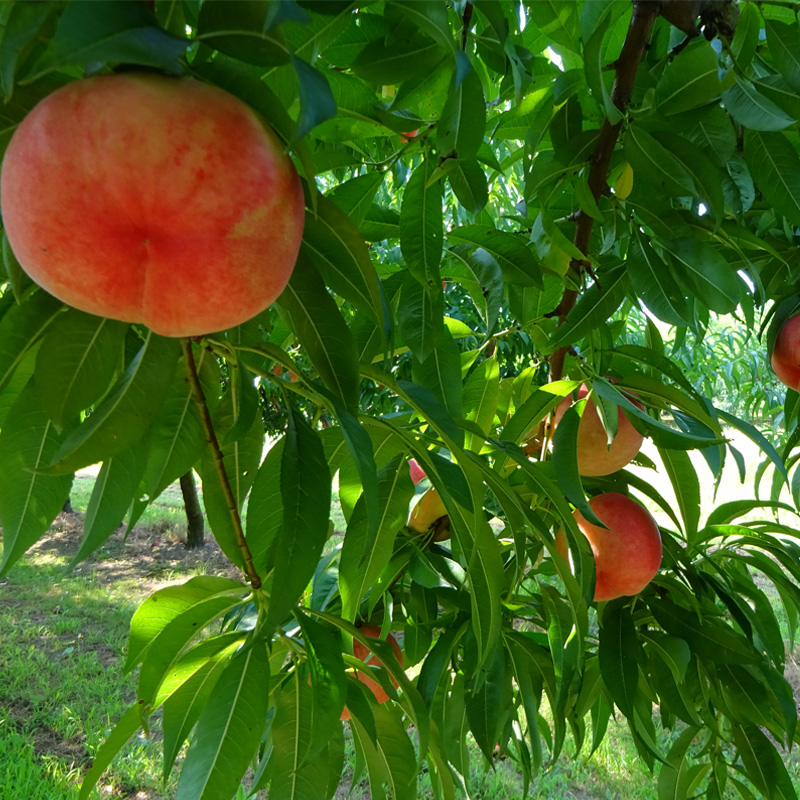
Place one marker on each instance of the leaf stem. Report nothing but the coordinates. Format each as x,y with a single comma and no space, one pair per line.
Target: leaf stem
216,450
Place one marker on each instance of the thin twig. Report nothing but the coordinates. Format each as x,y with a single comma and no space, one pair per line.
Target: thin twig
216,451
466,22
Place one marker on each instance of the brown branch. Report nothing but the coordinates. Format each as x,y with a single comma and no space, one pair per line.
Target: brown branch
216,451
467,21
644,16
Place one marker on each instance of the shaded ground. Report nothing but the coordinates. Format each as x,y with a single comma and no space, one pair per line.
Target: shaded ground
152,555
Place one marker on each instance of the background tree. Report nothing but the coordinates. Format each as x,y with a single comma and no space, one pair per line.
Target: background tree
502,199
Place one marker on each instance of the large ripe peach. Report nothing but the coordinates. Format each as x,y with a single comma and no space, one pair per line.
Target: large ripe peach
627,553
364,654
785,356
595,456
151,199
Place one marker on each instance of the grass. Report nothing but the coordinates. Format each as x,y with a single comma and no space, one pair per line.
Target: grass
62,686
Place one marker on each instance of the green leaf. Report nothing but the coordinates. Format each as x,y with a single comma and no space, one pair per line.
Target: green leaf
674,652
727,512
530,689
516,259
306,498
293,773
422,225
686,486
752,109
459,132
114,31
480,274
17,276
355,196
565,460
229,729
425,404
366,554
20,27
535,409
747,698
340,255
187,688
596,305
655,165
708,638
362,452
651,279
316,99
558,20
713,133
318,324
619,652
775,163
699,168
166,648
244,29
745,40
407,55
756,436
112,494
468,181
22,326
481,395
430,17
240,460
127,412
488,705
707,272
128,724
690,80
78,359
441,373
29,500
784,47
763,764
326,665
390,757
675,775
265,510
158,610
419,316
177,440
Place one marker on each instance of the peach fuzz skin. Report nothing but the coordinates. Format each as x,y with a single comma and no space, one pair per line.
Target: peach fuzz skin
785,356
151,199
627,554
365,655
595,457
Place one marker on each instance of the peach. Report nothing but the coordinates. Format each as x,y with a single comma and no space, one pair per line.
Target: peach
150,199
785,356
425,513
364,654
595,456
627,553
417,473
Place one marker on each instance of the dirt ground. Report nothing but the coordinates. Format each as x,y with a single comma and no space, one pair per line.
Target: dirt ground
149,555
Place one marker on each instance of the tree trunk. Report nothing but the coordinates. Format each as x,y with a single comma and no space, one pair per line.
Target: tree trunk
194,514
67,507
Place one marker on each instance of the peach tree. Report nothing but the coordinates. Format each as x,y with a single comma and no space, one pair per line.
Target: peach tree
493,191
